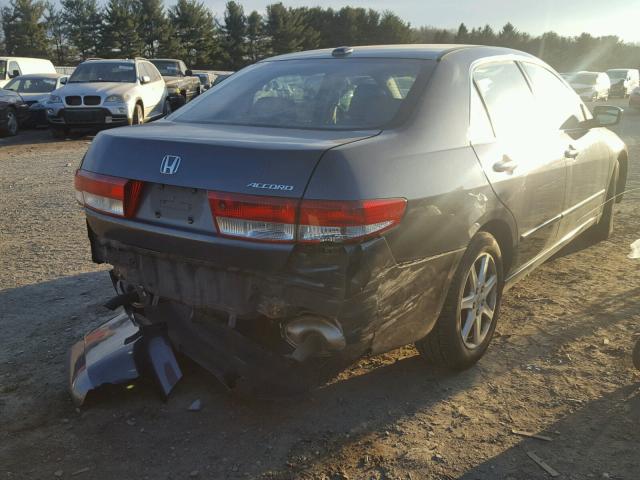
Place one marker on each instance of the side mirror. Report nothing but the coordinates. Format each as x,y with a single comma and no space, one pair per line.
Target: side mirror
63,81
189,73
14,74
145,79
607,116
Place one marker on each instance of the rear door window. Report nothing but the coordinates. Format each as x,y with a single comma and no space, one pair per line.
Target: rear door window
558,105
480,130
508,98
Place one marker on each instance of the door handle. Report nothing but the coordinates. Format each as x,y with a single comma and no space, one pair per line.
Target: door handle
571,152
505,165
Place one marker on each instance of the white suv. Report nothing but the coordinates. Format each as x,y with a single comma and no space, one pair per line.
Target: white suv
106,93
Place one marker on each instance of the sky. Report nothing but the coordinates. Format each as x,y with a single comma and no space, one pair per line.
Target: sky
566,17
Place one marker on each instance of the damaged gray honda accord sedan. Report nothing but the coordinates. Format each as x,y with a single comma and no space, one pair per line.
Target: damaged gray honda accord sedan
323,205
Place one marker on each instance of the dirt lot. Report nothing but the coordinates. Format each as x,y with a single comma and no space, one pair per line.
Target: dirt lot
559,366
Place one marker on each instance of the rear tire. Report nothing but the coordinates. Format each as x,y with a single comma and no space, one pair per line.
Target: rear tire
604,228
10,129
448,345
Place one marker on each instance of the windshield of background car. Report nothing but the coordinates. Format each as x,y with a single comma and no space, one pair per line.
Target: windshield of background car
167,68
584,78
318,94
617,74
32,85
104,72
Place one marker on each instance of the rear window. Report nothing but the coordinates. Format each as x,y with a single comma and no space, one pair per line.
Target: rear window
317,94
617,74
167,68
584,78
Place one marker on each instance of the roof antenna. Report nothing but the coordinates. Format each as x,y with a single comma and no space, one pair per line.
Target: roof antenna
342,51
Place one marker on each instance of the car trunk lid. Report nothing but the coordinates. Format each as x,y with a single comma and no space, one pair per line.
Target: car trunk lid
251,160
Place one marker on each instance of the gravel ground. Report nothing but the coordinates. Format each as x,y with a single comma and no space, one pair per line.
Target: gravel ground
559,366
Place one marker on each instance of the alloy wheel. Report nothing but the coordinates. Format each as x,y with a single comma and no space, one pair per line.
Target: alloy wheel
478,303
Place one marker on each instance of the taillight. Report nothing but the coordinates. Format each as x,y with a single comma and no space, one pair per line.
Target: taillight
112,195
253,217
276,219
338,221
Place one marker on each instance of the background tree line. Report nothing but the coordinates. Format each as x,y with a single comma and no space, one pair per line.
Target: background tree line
78,29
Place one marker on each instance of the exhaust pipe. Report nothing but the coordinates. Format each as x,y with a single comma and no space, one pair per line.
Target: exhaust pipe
312,336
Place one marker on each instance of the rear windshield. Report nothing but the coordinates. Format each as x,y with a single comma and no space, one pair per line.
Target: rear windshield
344,94
167,68
32,85
104,72
584,78
617,74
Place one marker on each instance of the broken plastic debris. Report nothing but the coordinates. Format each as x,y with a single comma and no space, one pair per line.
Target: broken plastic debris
635,250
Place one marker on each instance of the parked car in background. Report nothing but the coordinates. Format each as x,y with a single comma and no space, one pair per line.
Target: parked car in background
221,77
634,99
35,89
15,66
206,79
108,93
13,112
591,86
304,212
182,85
623,81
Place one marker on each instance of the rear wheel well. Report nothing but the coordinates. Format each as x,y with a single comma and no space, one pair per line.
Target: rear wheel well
623,165
502,233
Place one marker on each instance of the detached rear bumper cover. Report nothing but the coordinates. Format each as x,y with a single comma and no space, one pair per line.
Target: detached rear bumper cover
106,355
117,352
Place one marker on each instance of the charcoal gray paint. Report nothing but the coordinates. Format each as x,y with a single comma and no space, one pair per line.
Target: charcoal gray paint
384,292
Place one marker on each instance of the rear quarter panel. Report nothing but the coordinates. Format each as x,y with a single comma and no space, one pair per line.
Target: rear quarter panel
449,200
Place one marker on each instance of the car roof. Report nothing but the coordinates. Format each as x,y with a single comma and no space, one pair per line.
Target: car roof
165,59
417,51
409,51
110,60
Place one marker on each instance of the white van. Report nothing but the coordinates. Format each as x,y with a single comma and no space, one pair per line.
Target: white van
623,81
15,66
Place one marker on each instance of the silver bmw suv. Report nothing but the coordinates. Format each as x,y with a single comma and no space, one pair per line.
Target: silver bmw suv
104,93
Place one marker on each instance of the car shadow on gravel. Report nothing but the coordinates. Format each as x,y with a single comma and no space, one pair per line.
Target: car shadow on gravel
604,434
38,136
407,389
288,436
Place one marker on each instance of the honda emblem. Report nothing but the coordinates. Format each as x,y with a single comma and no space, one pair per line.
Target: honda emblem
170,164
